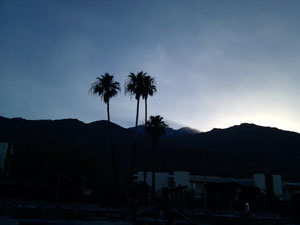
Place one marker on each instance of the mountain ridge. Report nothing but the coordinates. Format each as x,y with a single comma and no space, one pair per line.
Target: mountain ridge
240,150
193,130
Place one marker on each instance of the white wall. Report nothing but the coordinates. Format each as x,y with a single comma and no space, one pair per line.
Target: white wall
161,179
182,178
277,185
259,181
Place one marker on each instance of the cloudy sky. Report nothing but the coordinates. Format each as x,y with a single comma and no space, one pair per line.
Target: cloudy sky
216,63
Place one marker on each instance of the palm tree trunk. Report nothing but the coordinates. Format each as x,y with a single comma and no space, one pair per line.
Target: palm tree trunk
145,143
134,145
153,165
113,158
136,118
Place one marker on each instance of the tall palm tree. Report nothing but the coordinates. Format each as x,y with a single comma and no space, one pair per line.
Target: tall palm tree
106,88
135,87
149,90
156,127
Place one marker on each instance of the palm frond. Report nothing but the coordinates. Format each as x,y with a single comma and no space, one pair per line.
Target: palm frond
135,84
156,126
105,87
149,86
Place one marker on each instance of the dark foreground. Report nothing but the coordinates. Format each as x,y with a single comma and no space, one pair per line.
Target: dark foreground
106,216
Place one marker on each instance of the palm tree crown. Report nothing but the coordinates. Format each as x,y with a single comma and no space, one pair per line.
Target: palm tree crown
135,84
156,126
149,86
105,87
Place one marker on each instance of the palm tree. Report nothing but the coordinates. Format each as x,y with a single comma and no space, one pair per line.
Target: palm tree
156,127
106,88
149,90
135,87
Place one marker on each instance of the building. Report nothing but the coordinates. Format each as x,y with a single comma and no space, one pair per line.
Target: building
165,179
265,182
3,153
198,184
6,152
272,182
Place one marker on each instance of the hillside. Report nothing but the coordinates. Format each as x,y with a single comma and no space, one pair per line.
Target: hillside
236,151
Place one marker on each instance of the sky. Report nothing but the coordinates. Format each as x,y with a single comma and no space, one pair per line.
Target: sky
216,63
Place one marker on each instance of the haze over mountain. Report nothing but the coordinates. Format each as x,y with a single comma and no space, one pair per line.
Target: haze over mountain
235,151
170,132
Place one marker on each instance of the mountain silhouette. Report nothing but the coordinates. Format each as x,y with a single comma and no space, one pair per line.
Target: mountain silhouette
237,151
170,132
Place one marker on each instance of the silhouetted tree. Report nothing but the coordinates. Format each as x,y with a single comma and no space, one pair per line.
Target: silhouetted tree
149,90
135,87
106,88
156,127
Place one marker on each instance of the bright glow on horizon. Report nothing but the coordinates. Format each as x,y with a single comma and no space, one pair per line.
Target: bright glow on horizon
279,122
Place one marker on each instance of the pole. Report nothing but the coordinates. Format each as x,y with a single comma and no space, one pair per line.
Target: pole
230,202
57,187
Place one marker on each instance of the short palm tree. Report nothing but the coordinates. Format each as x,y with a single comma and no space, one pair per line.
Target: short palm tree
149,90
106,88
135,87
156,127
